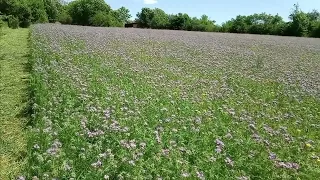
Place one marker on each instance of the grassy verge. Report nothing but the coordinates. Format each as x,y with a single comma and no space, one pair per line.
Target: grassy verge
13,84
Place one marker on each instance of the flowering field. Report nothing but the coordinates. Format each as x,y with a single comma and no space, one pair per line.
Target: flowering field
113,103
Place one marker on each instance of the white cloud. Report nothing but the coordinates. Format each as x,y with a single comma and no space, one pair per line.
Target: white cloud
150,1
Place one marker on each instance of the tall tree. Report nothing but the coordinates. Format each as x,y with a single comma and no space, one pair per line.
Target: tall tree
160,19
145,17
299,22
122,15
82,10
51,7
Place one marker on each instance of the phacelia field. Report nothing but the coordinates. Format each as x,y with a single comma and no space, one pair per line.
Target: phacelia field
115,103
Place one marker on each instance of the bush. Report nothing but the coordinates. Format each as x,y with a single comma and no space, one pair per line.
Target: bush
24,15
64,18
104,20
82,11
315,31
13,22
1,23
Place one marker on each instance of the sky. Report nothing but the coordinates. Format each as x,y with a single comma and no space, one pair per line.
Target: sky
218,10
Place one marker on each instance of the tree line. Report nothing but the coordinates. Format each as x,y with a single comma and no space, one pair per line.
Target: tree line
98,13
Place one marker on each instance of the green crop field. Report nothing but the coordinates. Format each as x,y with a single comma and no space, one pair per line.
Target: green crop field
115,103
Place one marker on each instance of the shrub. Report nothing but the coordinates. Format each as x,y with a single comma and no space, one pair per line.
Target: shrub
104,20
24,15
64,18
13,22
1,23
25,23
82,11
315,29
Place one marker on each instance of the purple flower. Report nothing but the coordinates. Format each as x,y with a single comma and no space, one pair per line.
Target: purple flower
143,145
229,162
272,156
107,114
97,164
165,152
219,146
252,126
131,162
185,174
35,178
219,142
36,146
21,178
243,178
287,165
218,149
229,136
200,175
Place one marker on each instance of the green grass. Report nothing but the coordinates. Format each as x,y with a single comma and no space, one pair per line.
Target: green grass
13,94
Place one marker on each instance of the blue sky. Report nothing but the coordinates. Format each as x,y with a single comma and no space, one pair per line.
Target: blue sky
219,10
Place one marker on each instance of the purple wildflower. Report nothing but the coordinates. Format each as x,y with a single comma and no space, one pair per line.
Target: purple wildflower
97,164
200,175
229,162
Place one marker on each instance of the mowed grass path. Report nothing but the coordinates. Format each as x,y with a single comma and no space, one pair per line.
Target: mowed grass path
13,94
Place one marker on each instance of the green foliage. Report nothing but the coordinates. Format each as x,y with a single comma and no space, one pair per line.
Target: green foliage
38,11
1,23
315,29
64,18
24,15
160,19
82,11
122,15
180,22
299,24
14,53
145,17
104,19
51,7
13,22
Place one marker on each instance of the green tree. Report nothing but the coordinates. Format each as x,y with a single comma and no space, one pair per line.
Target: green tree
18,8
180,21
51,7
38,11
24,15
122,15
104,19
299,22
239,25
64,17
160,19
82,11
226,26
145,17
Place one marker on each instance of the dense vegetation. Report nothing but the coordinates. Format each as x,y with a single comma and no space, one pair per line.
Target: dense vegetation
98,13
80,12
115,103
